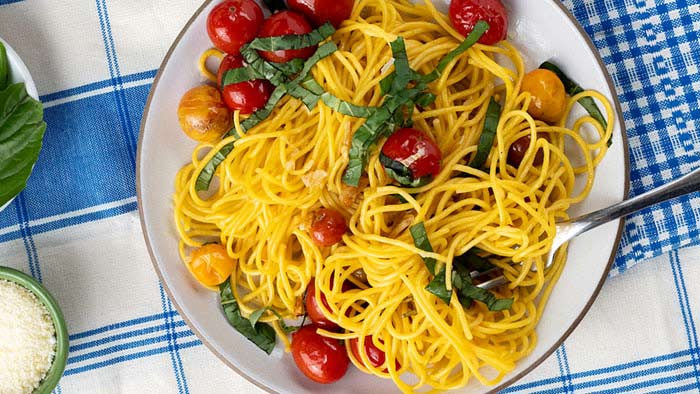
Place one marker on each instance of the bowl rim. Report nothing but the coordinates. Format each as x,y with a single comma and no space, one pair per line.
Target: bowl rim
54,374
492,390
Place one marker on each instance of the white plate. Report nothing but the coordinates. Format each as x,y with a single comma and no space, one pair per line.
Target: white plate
543,30
18,73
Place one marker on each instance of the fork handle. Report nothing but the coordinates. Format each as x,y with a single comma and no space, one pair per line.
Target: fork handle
684,185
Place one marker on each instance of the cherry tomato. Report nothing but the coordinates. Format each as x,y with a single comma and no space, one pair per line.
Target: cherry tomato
327,227
465,13
234,23
548,95
248,96
313,309
211,265
322,11
321,359
282,24
203,115
415,150
375,355
517,151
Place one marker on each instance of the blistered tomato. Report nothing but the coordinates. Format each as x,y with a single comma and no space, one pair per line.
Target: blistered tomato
464,15
234,23
211,265
248,96
203,115
282,24
322,11
548,95
327,227
321,359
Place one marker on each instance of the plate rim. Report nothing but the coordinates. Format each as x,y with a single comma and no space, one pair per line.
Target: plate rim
492,390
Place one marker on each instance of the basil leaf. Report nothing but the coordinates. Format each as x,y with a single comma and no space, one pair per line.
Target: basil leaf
437,287
21,133
493,115
401,173
4,67
275,5
293,41
259,333
370,131
573,88
345,107
255,316
473,261
386,83
471,39
420,239
238,75
467,291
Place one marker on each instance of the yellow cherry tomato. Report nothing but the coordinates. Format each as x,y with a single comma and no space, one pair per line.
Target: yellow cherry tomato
203,115
548,95
211,264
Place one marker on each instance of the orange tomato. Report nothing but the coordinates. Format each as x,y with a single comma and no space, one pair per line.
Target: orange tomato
211,264
548,95
203,115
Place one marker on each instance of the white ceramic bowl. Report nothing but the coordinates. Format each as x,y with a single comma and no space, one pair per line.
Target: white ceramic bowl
18,73
543,30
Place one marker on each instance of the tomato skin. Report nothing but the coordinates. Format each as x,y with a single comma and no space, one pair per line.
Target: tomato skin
548,95
518,149
203,115
465,13
322,11
313,309
375,355
211,265
415,150
321,359
246,97
327,227
281,24
234,23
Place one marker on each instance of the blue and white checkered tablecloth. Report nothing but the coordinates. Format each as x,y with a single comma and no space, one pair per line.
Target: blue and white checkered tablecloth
76,229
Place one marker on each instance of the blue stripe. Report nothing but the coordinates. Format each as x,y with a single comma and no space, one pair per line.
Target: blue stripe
565,358
172,344
128,357
561,371
682,293
116,326
673,390
27,237
128,345
601,371
73,221
124,335
632,388
63,94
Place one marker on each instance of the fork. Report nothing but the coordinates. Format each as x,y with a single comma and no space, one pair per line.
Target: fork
567,230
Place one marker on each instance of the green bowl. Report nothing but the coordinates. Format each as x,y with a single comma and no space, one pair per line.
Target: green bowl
59,362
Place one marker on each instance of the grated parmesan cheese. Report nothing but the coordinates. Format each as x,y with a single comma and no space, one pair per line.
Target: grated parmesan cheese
27,340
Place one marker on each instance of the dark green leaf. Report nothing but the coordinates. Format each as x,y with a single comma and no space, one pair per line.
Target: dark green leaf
345,107
402,174
473,261
300,41
255,316
276,73
259,333
275,5
4,67
573,88
386,83
437,287
473,37
420,239
493,115
468,291
374,127
21,133
237,75
425,99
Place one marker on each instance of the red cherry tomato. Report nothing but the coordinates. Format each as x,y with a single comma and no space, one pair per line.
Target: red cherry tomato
322,11
248,96
375,355
234,23
465,13
282,24
327,227
313,309
321,359
415,150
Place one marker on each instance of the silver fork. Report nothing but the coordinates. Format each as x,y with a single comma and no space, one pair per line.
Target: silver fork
571,228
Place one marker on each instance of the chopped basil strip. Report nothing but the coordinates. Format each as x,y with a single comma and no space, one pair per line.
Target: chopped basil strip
260,334
4,67
473,261
573,88
255,316
401,173
473,37
468,291
438,289
493,115
293,41
420,239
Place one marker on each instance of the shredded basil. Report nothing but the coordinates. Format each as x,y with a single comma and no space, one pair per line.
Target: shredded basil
472,260
402,174
493,115
293,41
255,316
573,88
438,289
420,239
259,333
471,39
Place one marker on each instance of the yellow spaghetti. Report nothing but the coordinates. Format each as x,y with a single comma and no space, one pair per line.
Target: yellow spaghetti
292,163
